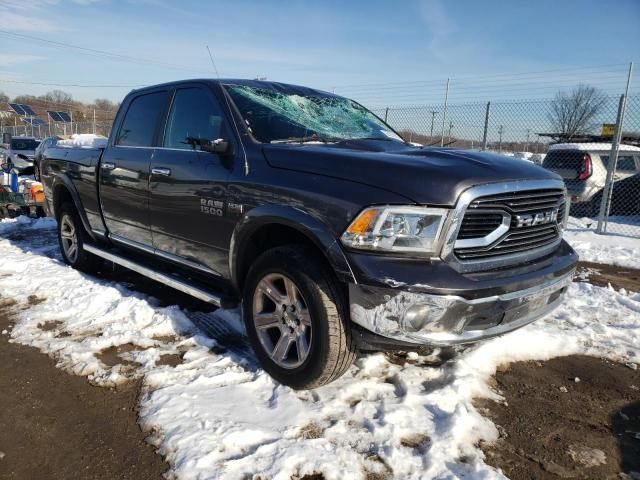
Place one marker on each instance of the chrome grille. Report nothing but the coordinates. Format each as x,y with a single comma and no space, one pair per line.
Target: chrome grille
478,223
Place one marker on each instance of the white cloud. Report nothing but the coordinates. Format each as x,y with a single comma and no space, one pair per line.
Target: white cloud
10,60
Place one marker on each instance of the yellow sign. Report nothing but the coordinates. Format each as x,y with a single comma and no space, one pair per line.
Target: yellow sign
608,129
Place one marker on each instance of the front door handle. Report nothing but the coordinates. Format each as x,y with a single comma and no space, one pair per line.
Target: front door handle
161,171
108,165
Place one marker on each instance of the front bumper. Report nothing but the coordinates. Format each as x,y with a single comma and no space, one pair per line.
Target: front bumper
442,320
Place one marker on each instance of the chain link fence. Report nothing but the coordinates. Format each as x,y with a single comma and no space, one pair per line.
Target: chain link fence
576,141
573,137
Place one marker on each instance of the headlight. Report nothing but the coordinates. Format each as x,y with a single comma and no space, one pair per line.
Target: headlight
396,229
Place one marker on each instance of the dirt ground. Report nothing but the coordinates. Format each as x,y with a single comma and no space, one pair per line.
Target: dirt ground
57,426
570,417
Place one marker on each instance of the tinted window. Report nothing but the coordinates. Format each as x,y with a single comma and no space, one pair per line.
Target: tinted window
564,159
24,144
625,162
194,116
141,119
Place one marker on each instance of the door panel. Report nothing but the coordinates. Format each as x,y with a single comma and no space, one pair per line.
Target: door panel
186,206
124,168
188,189
124,192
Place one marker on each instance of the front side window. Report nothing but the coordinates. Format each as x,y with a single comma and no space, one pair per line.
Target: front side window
194,117
141,120
279,115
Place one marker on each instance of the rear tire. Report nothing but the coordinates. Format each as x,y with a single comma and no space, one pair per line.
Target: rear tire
72,238
296,318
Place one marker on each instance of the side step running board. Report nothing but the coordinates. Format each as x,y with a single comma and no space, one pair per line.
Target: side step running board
168,280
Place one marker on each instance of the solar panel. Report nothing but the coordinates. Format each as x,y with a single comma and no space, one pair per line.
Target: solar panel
28,110
16,107
65,117
35,121
55,116
59,116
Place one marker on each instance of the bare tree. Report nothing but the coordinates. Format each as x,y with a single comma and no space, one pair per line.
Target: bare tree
573,113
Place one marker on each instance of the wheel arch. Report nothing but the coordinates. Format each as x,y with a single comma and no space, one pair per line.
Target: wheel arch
270,226
63,191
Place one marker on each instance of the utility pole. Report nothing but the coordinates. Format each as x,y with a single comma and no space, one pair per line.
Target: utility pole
486,126
450,127
444,115
500,132
526,145
94,121
433,117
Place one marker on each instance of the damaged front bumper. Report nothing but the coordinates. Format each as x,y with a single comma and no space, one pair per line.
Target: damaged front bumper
440,320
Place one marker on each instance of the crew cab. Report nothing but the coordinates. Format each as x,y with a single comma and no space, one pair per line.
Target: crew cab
331,231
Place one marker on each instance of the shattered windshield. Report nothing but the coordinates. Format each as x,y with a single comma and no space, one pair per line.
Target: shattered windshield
277,116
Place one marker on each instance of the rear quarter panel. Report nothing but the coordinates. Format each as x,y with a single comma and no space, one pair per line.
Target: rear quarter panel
76,168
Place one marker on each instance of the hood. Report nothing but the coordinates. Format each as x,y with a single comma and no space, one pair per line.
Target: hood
435,176
18,158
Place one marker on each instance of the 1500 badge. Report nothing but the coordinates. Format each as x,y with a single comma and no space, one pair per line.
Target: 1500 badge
212,207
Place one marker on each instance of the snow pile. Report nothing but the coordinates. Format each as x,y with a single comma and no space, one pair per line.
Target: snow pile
611,248
84,140
215,414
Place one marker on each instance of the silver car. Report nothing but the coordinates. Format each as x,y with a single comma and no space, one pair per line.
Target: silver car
583,166
21,153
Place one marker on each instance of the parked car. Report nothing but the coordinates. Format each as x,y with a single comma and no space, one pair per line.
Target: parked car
625,197
583,166
308,210
21,153
37,159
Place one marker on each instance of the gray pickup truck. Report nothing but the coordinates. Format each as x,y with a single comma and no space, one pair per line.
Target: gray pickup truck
331,231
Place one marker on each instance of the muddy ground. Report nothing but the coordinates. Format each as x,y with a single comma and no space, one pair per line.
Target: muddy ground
57,426
54,425
570,417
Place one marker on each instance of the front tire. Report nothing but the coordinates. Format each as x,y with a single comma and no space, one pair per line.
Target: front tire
296,318
72,237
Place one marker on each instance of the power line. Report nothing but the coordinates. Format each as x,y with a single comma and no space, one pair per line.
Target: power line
461,77
70,84
100,53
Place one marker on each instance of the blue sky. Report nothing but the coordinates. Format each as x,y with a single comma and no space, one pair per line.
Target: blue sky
338,45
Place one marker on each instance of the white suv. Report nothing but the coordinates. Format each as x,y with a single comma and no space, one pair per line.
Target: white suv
583,166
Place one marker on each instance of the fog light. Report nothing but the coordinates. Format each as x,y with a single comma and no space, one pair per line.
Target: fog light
416,317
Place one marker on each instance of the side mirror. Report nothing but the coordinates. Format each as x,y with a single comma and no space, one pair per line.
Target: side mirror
219,146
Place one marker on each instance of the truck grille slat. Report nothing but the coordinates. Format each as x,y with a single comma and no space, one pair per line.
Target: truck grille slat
526,232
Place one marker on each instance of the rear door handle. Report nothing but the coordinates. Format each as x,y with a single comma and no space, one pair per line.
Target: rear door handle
161,171
108,165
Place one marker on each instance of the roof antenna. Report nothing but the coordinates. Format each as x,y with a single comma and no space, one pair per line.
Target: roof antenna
215,69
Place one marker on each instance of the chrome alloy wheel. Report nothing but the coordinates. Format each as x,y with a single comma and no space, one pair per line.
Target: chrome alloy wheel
282,320
69,238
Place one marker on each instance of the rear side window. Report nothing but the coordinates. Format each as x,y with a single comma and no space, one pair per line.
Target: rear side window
626,163
194,116
141,120
564,159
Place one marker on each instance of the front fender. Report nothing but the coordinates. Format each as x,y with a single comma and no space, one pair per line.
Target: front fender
311,227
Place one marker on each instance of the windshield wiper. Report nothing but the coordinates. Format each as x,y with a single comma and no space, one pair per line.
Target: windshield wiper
312,138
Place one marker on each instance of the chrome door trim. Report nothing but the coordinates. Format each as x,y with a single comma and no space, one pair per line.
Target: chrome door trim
162,254
185,262
131,243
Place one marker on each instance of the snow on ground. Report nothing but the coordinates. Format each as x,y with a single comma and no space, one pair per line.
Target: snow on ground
613,248
216,414
86,140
